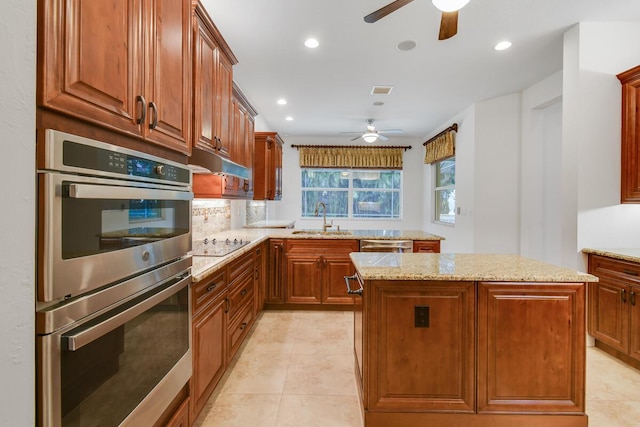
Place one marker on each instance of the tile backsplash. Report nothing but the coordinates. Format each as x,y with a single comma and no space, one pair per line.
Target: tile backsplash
210,217
256,211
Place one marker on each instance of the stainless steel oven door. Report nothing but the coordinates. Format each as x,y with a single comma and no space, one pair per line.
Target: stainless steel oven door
97,231
122,365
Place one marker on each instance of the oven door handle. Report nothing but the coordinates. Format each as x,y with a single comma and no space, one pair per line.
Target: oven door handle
89,191
75,341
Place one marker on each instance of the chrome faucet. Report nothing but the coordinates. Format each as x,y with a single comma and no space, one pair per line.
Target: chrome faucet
324,216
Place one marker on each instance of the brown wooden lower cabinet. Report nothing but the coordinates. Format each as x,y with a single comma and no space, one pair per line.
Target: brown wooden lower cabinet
614,307
481,354
315,270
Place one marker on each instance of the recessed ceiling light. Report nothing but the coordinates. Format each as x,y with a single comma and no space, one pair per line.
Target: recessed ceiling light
288,118
378,103
503,45
406,45
381,90
311,43
282,101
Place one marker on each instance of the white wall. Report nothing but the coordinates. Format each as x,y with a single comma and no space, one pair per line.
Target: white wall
541,171
592,120
17,228
487,179
290,206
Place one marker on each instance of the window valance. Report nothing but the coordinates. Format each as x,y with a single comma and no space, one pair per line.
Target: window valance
441,146
356,157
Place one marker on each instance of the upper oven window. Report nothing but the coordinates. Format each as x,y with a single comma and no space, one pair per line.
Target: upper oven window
95,219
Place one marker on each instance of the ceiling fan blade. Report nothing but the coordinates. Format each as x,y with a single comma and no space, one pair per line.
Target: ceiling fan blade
357,137
382,137
384,11
351,133
390,131
448,25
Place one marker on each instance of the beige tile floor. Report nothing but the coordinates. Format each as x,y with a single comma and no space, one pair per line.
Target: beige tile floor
296,369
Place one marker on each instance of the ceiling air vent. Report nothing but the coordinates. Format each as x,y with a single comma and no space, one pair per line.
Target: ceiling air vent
381,90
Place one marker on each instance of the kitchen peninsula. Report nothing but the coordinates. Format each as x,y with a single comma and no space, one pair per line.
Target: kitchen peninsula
469,339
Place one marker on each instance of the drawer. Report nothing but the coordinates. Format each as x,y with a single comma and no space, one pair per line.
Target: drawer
613,268
241,295
240,266
207,290
319,246
239,329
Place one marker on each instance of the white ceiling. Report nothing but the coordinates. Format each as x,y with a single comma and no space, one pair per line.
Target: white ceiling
328,88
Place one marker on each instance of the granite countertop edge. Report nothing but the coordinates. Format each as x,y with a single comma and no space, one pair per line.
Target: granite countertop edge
624,254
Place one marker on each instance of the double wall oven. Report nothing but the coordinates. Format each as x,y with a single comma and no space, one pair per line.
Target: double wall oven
112,311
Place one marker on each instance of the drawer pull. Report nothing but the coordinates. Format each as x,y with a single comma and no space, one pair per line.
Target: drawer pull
244,325
212,287
630,272
623,295
244,292
633,298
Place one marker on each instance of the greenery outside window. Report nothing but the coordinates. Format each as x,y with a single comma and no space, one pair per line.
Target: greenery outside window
352,193
445,191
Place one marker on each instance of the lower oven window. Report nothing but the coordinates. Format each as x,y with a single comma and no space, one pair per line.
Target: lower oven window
104,380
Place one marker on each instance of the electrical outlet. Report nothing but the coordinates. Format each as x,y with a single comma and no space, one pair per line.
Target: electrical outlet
422,316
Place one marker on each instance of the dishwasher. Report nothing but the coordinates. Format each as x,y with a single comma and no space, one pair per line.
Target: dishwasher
386,245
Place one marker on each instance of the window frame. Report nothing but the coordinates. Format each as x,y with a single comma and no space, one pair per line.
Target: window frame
350,189
436,189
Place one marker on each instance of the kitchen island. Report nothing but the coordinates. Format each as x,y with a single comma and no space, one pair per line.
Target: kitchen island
468,340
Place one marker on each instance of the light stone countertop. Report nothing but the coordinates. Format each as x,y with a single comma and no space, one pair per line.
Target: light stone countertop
204,266
624,254
461,267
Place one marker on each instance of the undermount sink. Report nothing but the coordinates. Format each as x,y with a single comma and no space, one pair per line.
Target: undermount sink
323,233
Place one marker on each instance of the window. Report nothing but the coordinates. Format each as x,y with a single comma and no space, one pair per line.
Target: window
445,191
352,193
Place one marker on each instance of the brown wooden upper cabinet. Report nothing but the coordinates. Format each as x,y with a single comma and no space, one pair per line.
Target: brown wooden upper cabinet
213,85
267,166
630,179
122,65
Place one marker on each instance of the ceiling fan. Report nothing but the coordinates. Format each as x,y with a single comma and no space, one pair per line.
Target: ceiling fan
371,134
448,21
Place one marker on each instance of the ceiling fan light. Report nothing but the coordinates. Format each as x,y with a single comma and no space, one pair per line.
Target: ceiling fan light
370,137
449,5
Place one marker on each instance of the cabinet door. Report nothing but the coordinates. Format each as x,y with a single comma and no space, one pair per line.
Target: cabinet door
209,333
545,340
334,269
90,60
630,183
275,285
442,377
168,74
634,322
277,166
303,279
223,118
608,313
205,63
259,278
249,129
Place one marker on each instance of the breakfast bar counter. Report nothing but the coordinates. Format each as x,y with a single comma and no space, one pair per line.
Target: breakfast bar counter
468,339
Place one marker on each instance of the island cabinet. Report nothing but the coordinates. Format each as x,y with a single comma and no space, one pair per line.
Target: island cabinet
122,65
488,354
267,166
614,307
316,269
630,179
